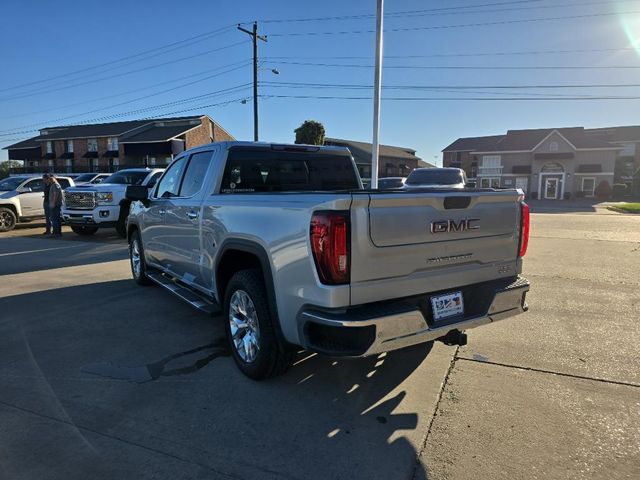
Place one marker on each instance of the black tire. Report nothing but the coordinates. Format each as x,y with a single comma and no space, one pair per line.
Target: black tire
272,358
81,230
121,224
8,219
139,275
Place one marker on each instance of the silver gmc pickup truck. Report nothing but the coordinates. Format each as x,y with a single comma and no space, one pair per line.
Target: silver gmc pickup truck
285,242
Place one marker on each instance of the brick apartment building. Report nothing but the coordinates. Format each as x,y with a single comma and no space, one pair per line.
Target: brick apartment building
107,147
550,163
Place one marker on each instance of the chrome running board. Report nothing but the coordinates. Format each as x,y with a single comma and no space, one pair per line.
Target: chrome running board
193,298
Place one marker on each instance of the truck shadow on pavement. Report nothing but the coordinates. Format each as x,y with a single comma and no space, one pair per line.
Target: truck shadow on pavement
326,418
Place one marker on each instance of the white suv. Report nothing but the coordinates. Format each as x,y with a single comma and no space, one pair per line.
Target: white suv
21,199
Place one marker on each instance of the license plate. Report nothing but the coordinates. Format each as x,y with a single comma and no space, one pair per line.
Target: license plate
447,305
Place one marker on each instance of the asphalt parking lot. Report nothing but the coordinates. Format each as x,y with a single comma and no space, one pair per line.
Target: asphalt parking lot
103,379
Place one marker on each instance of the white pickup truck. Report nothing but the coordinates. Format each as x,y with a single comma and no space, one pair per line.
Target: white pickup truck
21,199
86,208
285,241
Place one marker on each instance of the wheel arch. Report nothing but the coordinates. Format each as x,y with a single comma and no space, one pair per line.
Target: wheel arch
241,254
130,229
13,208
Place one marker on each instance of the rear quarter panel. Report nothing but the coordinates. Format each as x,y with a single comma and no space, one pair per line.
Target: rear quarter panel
279,224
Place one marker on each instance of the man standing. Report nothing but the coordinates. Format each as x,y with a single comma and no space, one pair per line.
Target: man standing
55,204
45,204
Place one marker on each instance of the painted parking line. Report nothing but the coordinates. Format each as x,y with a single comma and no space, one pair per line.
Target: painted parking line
39,250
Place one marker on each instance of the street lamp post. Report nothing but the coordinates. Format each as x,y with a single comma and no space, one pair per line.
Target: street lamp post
377,81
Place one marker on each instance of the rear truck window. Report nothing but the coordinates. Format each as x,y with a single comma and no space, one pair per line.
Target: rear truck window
262,170
434,177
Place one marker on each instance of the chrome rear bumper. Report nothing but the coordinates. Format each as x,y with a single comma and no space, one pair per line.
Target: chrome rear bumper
386,326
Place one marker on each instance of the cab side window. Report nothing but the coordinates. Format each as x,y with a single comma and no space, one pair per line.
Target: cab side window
195,174
152,181
169,185
64,183
36,185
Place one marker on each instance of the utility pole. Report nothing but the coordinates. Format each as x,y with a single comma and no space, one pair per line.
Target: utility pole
255,37
376,95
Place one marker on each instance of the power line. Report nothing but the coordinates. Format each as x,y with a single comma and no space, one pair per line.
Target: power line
169,62
462,25
200,107
479,91
234,89
332,97
197,107
447,55
466,67
244,64
406,12
458,10
455,87
128,92
201,37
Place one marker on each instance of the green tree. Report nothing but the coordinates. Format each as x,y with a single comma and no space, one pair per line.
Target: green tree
6,166
310,133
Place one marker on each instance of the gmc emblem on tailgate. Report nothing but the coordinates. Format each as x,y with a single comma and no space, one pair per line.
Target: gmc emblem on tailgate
443,226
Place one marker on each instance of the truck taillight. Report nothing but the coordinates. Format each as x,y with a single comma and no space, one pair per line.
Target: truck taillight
524,229
330,246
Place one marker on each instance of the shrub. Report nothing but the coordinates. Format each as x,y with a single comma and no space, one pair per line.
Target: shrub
567,195
534,195
580,194
619,190
603,190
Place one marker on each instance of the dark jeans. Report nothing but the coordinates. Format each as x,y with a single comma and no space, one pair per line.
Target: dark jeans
47,217
54,213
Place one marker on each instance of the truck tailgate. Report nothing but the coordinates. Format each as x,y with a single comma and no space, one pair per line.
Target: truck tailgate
409,243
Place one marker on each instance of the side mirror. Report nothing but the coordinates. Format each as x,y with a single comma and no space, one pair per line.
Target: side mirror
138,193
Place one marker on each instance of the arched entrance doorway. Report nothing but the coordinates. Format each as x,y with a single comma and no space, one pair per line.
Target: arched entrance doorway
551,182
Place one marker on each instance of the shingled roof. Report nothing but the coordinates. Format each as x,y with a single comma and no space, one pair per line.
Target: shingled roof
151,130
629,133
362,150
526,140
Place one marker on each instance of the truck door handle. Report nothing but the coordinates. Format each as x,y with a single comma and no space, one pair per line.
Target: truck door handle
162,211
192,215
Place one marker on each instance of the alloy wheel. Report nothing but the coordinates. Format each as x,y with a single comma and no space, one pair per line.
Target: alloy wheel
136,262
245,330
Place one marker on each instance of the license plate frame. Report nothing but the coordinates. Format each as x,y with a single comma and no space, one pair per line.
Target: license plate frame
447,305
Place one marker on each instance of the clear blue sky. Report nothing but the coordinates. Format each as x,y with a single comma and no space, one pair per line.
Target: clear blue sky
43,39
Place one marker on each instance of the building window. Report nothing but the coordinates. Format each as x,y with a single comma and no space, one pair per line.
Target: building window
491,161
92,145
49,147
50,163
152,161
490,182
68,165
112,143
70,146
588,186
167,160
553,147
